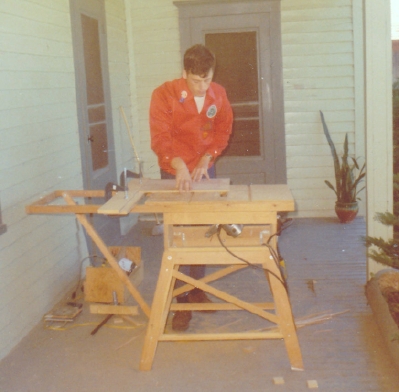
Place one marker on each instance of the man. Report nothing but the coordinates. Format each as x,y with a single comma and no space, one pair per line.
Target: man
190,123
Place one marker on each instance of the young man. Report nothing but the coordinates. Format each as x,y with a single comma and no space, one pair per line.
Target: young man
190,123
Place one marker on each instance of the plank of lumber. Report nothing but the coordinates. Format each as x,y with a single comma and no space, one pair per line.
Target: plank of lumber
147,185
50,203
170,337
270,192
114,309
120,205
216,306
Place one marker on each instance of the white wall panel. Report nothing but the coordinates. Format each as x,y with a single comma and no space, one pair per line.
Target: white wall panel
319,62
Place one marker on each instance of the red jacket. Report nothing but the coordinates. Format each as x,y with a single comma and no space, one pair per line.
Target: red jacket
178,130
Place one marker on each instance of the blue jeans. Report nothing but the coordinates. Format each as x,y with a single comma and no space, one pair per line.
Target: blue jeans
194,271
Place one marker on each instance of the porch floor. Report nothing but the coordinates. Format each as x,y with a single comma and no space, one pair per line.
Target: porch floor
326,276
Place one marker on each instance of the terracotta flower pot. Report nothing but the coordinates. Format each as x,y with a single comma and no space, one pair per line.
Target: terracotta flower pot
346,212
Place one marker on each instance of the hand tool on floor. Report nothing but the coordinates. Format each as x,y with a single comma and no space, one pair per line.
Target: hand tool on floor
95,330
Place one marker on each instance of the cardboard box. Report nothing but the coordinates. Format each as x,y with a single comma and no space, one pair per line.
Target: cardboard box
102,281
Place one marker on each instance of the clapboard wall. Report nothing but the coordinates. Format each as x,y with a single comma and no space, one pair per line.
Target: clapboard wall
39,152
322,70
40,256
322,66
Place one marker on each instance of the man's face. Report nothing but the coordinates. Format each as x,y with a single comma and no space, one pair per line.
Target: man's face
198,85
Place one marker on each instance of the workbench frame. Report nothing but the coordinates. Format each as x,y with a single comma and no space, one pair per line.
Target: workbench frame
238,209
253,205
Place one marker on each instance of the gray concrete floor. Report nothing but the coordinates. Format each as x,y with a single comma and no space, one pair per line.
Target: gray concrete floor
326,275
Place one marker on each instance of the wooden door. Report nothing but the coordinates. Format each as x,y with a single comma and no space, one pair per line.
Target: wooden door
245,37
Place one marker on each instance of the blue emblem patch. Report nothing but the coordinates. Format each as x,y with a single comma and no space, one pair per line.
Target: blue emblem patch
211,112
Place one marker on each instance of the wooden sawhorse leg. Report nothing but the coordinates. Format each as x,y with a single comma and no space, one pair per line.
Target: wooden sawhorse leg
159,312
173,258
110,258
286,319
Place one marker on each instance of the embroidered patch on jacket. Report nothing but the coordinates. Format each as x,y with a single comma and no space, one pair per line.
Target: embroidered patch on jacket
211,112
206,128
183,96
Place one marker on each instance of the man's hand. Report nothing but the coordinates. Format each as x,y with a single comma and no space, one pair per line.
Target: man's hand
183,178
201,169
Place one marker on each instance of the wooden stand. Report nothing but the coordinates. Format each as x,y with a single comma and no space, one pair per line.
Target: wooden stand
45,206
185,245
212,202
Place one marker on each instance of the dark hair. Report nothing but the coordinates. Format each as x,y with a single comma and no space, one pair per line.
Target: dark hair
199,60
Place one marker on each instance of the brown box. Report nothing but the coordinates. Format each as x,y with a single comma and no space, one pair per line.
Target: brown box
102,281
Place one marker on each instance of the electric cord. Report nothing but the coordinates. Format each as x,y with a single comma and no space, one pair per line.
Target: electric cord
282,228
272,253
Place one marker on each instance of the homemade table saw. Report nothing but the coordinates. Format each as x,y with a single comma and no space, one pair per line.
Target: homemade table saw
187,218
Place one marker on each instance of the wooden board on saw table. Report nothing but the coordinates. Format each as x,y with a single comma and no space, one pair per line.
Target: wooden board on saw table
119,204
147,185
273,194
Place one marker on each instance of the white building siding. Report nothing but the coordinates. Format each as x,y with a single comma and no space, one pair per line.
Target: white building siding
39,152
157,58
120,79
319,74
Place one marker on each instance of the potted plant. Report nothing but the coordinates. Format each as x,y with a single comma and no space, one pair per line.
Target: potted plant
382,290
348,175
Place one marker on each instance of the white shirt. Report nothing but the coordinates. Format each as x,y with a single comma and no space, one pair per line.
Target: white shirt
200,103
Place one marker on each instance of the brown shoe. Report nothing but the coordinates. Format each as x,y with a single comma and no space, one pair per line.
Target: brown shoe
196,296
181,320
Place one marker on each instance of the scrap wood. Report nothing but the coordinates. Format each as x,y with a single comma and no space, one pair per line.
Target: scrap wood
300,322
64,313
312,384
278,380
317,318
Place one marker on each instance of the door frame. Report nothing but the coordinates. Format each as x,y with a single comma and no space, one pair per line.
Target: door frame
105,226
96,9
189,14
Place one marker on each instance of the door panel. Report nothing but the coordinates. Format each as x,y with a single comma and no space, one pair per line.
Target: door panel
236,69
93,95
93,105
245,37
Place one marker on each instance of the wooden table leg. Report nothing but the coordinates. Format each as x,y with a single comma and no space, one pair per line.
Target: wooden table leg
110,258
159,312
286,320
